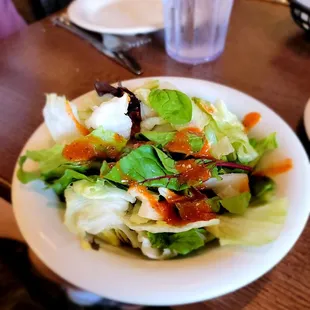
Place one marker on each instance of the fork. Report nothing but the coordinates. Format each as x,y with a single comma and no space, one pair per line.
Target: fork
116,43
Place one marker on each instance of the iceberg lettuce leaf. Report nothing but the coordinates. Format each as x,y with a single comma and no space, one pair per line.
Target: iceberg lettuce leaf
95,207
60,123
257,226
263,145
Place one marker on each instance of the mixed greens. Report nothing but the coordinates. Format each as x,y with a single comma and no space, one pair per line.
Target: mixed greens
157,170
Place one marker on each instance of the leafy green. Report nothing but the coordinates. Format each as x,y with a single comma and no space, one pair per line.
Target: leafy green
195,142
159,240
57,171
211,133
214,203
68,177
257,226
183,242
52,165
262,189
222,148
263,145
187,241
142,92
203,104
48,159
145,162
198,120
237,204
104,169
167,162
163,138
26,176
160,138
109,137
223,124
172,105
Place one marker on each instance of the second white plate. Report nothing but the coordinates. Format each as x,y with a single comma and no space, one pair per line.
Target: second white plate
123,17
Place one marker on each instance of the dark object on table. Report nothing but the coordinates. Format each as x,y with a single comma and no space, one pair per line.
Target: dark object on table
33,10
300,14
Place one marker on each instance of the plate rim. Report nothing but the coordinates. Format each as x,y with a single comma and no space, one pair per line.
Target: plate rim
74,17
191,298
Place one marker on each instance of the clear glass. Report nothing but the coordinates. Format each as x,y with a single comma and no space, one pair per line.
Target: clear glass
195,30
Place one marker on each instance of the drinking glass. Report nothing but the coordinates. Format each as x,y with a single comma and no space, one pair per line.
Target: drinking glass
195,30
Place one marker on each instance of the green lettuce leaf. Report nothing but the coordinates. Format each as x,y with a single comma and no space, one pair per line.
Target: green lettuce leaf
48,159
160,138
226,124
214,203
163,138
263,189
172,105
67,178
263,145
257,226
145,162
182,243
26,176
167,162
110,138
159,240
211,133
52,165
188,241
236,204
151,252
104,169
195,142
198,120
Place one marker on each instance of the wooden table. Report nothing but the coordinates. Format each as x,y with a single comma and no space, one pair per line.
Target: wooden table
266,56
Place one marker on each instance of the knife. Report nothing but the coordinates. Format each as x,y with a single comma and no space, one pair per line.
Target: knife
120,58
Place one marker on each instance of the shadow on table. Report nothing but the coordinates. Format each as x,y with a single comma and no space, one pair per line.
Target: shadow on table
302,135
300,44
21,288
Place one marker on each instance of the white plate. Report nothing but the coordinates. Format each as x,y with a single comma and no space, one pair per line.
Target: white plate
307,118
126,276
124,17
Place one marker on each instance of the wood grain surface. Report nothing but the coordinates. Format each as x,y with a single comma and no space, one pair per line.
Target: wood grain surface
266,56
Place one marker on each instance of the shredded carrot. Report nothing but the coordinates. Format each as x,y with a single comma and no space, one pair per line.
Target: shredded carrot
250,120
281,167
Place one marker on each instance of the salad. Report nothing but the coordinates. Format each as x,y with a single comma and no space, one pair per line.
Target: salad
157,170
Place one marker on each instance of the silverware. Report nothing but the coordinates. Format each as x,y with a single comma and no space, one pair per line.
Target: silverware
119,57
116,43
